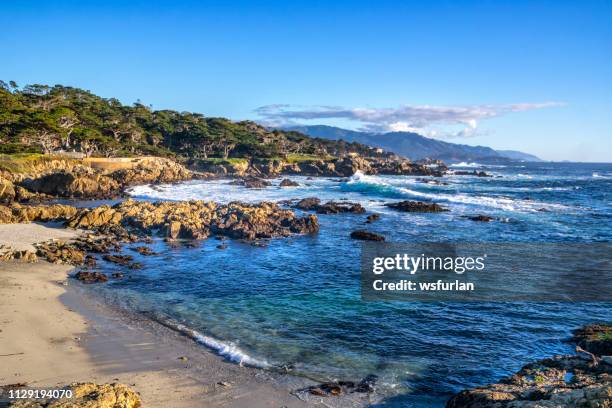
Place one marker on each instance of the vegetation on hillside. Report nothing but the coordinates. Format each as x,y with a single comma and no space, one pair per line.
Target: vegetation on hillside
45,119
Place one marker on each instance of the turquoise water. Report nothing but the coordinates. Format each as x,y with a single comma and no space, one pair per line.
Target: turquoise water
296,302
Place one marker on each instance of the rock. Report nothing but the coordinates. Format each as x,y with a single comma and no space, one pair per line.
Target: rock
117,275
222,246
61,253
143,250
84,183
331,207
471,173
119,259
372,217
91,277
309,203
288,183
366,236
21,256
416,206
136,265
560,381
256,183
481,218
7,191
90,395
595,338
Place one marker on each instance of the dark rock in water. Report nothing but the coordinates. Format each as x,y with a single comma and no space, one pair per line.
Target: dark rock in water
143,250
223,246
91,277
331,207
481,218
90,261
432,181
119,259
366,236
136,265
372,217
367,384
472,173
288,183
416,206
595,338
256,183
117,275
309,203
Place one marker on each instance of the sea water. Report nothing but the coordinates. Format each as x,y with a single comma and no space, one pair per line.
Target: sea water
295,303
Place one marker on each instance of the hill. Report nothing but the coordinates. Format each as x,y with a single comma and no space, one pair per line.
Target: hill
50,119
415,146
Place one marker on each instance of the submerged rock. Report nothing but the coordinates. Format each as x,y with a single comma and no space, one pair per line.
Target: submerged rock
366,236
416,206
372,217
481,218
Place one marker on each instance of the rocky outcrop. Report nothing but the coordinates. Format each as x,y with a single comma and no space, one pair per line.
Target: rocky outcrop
81,179
363,235
8,254
152,170
7,190
582,380
595,338
89,395
331,207
17,213
471,173
60,253
198,219
82,182
416,206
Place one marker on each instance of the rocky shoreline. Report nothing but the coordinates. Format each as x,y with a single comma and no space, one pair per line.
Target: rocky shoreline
580,380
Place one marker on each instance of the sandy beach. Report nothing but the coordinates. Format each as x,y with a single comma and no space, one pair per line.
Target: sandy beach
53,334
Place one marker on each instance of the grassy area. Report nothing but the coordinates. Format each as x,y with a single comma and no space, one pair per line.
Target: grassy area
298,158
218,160
23,162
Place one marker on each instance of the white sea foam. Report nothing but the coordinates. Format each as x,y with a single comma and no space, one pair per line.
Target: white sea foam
225,349
503,203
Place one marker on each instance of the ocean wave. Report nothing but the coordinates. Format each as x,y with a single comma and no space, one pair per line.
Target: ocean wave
466,164
597,175
225,349
373,184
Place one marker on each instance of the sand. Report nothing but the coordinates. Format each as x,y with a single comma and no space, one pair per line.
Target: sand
53,332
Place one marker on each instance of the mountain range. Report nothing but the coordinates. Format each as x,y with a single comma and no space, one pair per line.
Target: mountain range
415,146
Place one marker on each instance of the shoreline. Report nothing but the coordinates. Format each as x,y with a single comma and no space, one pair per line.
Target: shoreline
79,338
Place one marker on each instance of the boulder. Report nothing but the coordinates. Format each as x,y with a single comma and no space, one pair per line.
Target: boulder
91,277
89,395
594,338
288,183
416,206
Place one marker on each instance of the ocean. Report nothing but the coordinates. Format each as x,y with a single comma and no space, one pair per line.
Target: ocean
294,304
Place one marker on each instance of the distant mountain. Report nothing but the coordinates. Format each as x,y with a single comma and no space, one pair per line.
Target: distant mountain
519,156
415,146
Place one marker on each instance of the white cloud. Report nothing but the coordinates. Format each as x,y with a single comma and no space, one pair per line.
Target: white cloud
440,121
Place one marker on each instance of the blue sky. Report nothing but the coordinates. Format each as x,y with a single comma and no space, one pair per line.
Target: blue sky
527,75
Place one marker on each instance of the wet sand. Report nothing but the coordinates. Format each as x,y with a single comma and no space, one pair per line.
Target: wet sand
53,332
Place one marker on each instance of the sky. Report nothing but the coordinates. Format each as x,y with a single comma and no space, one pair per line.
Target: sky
534,76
